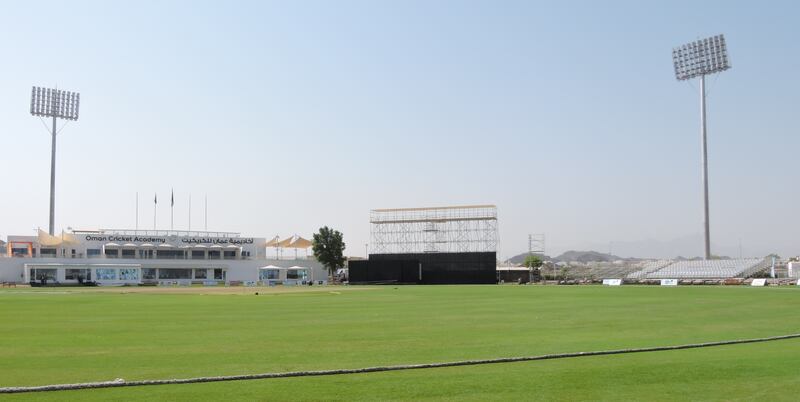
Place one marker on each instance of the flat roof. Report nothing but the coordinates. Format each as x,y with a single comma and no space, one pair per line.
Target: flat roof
159,232
434,208
423,220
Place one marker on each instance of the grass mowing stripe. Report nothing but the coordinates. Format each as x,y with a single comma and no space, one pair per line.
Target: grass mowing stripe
122,383
110,333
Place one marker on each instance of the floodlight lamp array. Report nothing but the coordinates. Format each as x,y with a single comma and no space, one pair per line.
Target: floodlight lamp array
47,102
701,57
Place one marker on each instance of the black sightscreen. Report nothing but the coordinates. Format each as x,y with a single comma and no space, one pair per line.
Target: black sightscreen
435,268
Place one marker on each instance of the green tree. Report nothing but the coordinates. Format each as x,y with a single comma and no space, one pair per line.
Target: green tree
328,246
533,261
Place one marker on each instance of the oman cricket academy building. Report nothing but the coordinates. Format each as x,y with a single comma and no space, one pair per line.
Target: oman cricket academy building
173,257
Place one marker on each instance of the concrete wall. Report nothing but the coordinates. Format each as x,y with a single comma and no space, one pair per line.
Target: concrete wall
12,269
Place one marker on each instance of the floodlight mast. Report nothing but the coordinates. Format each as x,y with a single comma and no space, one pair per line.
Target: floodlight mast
46,102
53,180
698,59
704,151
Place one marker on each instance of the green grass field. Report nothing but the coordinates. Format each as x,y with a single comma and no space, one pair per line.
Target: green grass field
61,336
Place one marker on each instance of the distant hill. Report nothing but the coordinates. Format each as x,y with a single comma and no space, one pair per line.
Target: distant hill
713,257
595,256
520,258
689,246
586,256
572,255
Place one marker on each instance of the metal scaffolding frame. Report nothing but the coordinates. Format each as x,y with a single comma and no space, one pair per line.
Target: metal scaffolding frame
536,244
452,229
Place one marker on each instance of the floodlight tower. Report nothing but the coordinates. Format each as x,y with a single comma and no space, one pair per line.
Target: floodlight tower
698,59
55,103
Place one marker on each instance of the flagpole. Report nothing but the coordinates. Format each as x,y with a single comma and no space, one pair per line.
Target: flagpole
190,212
137,210
155,206
206,214
172,211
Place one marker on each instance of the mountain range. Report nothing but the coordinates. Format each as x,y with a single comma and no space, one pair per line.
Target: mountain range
573,255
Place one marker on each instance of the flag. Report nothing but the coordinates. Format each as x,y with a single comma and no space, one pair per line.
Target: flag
155,199
172,199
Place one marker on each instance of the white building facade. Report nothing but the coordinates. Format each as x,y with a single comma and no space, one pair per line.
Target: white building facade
130,257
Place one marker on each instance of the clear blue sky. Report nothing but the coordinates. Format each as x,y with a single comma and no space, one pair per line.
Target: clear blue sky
294,115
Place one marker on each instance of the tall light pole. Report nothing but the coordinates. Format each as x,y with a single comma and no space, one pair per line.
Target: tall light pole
55,103
698,59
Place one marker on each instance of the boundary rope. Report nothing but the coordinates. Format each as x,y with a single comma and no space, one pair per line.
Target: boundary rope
122,383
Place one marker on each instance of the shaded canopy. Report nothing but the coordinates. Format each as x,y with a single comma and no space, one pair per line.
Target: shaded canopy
285,242
66,239
69,239
45,239
290,242
300,242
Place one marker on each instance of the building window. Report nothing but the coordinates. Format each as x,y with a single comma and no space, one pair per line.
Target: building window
128,253
106,274
79,275
219,274
146,254
267,274
213,254
198,255
229,255
48,252
148,273
19,252
43,274
296,274
175,273
129,274
170,254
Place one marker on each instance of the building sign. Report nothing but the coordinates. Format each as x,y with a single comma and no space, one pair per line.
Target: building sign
124,239
669,282
236,241
759,282
612,282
